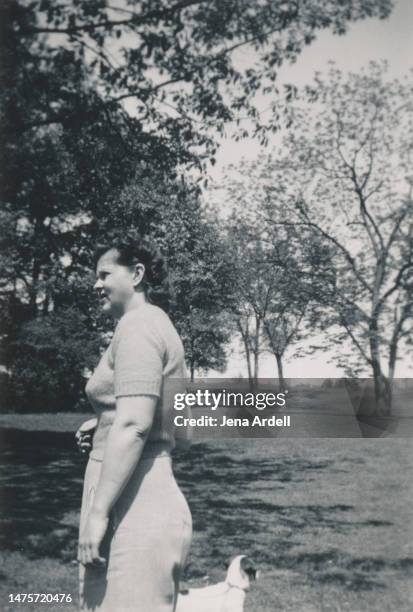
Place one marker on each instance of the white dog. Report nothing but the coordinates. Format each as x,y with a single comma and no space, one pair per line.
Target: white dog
227,596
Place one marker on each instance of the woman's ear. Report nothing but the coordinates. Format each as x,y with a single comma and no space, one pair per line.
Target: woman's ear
138,275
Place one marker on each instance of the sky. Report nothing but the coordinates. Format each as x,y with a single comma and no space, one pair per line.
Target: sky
372,39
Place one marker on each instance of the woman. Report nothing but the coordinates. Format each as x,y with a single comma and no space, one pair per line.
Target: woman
135,524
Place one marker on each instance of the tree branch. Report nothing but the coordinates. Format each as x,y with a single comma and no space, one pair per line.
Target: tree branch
355,341
396,284
136,19
346,253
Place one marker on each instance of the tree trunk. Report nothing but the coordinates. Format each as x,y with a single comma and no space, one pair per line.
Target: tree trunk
249,367
256,348
33,290
281,380
192,359
244,336
46,304
382,386
399,321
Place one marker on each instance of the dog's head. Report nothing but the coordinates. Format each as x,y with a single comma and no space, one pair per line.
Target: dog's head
248,566
242,572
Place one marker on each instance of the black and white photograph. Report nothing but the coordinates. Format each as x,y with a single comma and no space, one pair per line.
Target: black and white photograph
206,295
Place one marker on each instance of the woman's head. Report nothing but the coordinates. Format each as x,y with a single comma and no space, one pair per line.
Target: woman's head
127,271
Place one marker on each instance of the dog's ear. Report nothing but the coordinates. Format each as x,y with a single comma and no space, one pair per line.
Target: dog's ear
248,566
183,591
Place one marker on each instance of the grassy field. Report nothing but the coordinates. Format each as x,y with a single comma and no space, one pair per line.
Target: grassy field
328,521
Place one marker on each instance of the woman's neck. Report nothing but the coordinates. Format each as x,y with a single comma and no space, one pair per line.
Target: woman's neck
137,300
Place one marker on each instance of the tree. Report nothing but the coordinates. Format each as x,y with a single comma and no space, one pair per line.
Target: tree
52,184
55,178
174,63
48,360
345,177
68,68
202,277
282,329
253,289
171,214
272,295
97,95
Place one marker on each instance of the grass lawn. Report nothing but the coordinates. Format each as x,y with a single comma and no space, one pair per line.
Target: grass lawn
328,521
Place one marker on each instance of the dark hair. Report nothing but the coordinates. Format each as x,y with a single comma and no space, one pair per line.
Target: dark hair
129,253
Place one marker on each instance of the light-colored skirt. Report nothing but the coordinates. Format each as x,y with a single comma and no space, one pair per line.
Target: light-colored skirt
146,544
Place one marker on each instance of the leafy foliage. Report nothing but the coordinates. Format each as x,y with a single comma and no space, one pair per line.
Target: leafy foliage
201,273
343,183
48,362
175,64
276,274
101,107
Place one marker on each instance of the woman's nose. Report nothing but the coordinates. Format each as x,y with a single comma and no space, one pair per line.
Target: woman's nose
98,284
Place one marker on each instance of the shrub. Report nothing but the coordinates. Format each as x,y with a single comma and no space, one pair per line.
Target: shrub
47,361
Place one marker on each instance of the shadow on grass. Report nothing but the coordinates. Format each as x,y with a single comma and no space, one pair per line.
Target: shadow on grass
334,567
228,520
232,503
40,485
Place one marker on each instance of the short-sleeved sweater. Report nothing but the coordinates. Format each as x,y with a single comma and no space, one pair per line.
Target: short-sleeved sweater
145,357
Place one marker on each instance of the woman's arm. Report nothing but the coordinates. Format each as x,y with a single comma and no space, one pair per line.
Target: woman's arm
125,442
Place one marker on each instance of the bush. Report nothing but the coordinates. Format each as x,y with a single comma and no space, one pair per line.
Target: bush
47,361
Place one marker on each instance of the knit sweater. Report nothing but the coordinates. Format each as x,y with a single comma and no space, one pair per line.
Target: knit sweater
145,357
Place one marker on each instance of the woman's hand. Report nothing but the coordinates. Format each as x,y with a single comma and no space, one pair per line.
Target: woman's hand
91,538
84,436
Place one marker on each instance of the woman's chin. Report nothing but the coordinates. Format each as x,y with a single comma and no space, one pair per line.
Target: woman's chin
106,306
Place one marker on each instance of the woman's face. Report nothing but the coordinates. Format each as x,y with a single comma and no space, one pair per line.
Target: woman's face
115,283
